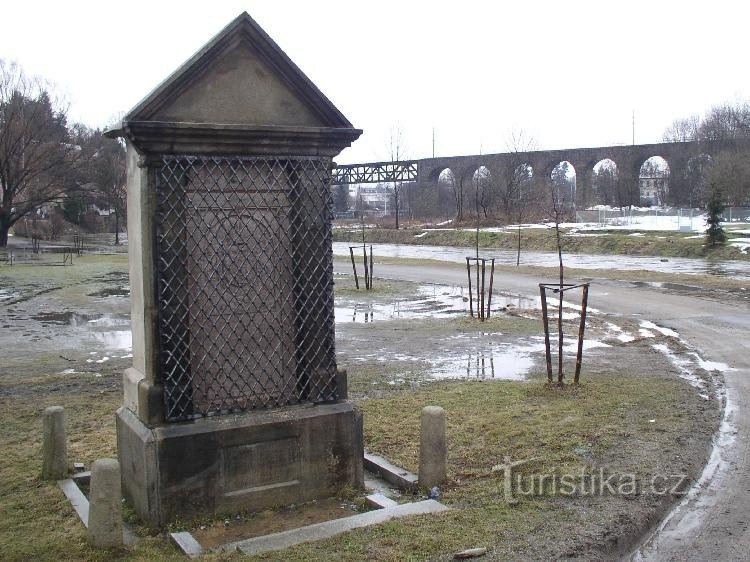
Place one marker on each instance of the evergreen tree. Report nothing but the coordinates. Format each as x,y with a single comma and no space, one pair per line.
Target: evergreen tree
714,208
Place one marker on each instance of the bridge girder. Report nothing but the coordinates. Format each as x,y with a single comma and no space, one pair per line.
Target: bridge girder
376,172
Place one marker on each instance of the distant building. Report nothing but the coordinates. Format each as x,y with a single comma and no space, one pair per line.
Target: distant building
654,189
374,197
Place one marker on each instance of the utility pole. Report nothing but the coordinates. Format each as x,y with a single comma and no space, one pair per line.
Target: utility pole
634,127
433,142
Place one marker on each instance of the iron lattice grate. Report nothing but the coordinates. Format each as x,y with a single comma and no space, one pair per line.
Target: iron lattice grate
245,283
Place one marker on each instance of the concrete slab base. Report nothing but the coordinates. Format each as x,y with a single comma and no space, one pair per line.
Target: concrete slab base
395,475
81,504
285,539
187,544
243,462
379,501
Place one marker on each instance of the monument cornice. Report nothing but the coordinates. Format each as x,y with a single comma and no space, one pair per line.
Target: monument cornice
159,137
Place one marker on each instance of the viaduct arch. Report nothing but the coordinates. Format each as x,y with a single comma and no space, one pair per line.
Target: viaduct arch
628,159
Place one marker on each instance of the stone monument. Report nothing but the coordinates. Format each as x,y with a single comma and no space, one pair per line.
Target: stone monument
234,401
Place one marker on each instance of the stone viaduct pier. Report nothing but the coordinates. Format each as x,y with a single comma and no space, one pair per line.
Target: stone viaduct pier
629,160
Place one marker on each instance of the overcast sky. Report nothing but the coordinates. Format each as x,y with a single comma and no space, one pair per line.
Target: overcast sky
568,74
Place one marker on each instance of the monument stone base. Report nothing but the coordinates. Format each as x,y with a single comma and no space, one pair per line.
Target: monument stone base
243,462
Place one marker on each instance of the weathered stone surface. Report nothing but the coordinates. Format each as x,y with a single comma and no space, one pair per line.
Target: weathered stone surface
395,475
239,88
187,544
239,281
105,504
250,461
242,332
239,94
433,451
54,444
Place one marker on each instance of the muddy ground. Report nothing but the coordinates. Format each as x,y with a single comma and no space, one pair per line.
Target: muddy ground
65,332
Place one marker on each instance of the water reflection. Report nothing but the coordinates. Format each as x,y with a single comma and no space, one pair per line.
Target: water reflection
729,268
441,301
508,364
112,331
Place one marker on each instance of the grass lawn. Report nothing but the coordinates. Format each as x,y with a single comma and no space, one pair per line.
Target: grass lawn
604,421
653,243
626,421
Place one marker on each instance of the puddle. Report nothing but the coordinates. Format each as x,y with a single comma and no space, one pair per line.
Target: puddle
506,364
441,301
6,295
732,268
113,332
672,287
115,339
111,292
505,361
63,318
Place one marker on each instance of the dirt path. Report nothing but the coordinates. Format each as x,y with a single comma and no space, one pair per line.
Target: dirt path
712,521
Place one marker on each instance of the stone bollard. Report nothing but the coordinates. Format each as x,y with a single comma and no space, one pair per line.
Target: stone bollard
54,446
433,451
105,513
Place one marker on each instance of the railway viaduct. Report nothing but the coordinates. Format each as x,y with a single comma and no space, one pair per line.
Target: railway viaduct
629,160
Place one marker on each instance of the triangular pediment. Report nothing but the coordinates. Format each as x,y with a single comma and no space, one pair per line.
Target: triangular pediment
240,77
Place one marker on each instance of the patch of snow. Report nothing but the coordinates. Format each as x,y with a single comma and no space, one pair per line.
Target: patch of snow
712,365
662,330
685,367
742,246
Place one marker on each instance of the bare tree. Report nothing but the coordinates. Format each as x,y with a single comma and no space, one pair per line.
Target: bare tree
729,173
514,183
682,130
108,175
555,210
38,161
396,152
615,186
484,190
725,122
514,174
726,129
456,185
563,183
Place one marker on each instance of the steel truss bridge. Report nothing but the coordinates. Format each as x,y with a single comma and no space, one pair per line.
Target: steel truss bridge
375,172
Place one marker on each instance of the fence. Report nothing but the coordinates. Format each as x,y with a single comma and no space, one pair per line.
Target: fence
648,219
34,251
245,284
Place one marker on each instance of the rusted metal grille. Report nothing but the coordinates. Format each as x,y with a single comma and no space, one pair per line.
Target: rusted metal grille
245,283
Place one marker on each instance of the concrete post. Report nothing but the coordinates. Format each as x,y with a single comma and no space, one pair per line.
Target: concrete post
54,447
433,451
105,515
